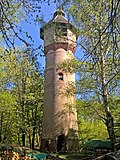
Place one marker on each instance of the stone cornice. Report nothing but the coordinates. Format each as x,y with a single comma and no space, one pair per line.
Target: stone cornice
55,46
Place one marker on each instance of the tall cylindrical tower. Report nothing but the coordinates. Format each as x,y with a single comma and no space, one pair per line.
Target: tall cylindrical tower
59,112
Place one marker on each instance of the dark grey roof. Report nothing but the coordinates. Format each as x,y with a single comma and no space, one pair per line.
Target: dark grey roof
60,18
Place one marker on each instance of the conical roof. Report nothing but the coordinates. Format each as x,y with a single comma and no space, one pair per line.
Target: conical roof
59,16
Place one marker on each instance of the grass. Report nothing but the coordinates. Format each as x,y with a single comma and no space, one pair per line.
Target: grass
69,156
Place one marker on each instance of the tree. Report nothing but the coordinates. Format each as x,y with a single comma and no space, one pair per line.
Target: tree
12,13
89,122
98,24
114,102
21,79
34,104
7,106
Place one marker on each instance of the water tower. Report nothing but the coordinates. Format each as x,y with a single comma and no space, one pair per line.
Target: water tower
59,112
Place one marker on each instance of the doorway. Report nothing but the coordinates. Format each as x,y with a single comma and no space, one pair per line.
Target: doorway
61,143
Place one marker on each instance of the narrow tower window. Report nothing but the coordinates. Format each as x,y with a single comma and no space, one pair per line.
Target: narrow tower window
61,29
60,76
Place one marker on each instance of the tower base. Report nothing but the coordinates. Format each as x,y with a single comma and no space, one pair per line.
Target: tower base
59,145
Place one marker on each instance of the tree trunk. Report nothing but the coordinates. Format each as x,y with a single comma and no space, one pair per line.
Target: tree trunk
33,138
5,137
34,112
23,105
1,119
29,136
23,123
38,138
23,137
109,118
18,137
110,128
109,122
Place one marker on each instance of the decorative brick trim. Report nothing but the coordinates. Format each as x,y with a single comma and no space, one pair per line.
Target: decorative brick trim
55,46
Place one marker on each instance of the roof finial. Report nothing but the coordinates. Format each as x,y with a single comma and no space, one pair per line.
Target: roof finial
59,5
59,10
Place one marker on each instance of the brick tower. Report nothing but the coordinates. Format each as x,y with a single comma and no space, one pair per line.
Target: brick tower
60,129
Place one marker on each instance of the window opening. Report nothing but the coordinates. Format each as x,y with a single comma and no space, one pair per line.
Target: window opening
61,143
61,76
61,29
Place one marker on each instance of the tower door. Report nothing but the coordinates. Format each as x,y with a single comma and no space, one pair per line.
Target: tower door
61,143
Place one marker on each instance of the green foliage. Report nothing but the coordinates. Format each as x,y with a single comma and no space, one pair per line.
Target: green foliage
69,65
7,106
89,122
7,102
21,95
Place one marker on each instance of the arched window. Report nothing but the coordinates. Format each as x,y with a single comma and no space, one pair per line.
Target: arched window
61,143
60,76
